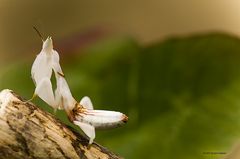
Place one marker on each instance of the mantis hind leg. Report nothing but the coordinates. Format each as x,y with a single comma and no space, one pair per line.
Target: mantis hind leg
33,97
88,129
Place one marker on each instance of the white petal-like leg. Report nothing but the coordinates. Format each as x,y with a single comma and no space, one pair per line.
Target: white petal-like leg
102,119
45,92
89,130
33,96
66,99
58,99
57,69
86,102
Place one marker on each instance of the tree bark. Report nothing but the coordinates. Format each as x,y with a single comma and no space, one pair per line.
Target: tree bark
28,132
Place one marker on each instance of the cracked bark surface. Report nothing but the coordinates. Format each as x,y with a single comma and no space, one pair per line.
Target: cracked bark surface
28,132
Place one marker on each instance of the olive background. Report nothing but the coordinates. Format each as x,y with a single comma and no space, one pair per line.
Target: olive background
172,67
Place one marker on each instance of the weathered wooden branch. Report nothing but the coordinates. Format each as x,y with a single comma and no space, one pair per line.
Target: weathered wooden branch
29,132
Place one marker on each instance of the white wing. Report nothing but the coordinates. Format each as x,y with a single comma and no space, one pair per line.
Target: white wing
86,102
89,130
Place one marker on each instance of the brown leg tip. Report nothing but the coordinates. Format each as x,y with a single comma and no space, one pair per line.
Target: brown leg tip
124,118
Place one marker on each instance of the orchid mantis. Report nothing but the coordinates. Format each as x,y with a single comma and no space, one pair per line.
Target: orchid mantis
80,113
46,61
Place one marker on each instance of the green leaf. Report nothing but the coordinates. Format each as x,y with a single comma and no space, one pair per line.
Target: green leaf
181,95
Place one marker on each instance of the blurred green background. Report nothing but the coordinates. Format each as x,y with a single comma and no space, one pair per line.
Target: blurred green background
172,68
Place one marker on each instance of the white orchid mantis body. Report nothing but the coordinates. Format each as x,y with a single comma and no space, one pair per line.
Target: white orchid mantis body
88,119
82,113
46,61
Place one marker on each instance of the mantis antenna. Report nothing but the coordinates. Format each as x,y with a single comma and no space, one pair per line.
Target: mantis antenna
38,32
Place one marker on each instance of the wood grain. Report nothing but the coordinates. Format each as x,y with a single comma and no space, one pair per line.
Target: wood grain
28,132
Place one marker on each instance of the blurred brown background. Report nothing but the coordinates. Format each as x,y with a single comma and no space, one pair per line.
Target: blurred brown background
147,20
